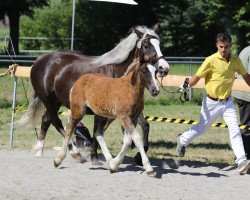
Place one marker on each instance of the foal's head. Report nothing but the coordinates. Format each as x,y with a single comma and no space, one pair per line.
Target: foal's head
149,46
148,78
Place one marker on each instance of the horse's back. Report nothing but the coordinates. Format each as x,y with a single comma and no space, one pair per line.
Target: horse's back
54,74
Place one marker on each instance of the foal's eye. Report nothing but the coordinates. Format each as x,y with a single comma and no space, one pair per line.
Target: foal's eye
144,71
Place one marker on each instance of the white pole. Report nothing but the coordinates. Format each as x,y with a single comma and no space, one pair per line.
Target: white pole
13,111
73,24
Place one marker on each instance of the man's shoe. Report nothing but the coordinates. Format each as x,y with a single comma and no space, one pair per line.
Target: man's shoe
244,166
180,150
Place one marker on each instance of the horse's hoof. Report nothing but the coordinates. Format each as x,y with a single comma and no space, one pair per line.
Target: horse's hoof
138,159
151,174
57,162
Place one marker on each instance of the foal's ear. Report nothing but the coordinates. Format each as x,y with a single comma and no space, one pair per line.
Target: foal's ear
156,27
138,33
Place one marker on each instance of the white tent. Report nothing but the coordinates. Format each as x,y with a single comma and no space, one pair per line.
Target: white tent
73,15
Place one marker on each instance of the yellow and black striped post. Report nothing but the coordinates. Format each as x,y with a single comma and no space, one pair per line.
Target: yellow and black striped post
185,121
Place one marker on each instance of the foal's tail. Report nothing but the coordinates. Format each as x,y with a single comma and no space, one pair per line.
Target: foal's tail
35,110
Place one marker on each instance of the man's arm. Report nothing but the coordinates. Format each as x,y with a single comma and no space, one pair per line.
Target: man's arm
246,77
195,79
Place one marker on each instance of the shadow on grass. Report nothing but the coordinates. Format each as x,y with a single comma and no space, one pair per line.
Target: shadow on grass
171,145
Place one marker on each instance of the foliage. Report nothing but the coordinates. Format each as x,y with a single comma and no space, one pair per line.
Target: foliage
14,9
57,27
189,27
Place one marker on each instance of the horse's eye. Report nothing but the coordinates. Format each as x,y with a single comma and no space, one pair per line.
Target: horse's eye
146,47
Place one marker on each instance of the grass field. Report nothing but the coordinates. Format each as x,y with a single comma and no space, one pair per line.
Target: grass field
213,147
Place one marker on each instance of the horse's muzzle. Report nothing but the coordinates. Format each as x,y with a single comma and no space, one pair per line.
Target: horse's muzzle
162,72
154,92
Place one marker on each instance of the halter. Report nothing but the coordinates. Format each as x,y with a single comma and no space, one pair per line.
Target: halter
144,37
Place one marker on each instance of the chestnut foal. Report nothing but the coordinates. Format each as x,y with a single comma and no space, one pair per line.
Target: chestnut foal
121,98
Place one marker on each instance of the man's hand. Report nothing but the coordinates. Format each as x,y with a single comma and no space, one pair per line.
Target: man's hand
184,88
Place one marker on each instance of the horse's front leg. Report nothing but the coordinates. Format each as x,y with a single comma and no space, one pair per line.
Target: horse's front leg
145,131
69,131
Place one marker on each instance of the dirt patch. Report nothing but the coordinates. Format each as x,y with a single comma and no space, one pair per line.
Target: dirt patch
24,176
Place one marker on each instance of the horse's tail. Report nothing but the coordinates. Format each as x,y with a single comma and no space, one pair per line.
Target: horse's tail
35,110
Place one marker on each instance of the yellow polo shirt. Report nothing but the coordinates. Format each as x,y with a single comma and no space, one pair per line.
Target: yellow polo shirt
220,75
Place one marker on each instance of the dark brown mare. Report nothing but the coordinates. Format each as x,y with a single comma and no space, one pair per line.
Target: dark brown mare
115,98
53,75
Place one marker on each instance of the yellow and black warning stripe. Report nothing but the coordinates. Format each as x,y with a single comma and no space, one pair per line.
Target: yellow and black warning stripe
185,121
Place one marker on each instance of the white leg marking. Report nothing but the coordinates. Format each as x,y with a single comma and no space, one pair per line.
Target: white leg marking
104,148
38,148
114,163
139,144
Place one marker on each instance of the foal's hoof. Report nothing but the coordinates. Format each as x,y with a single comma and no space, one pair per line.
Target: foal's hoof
138,159
57,162
81,159
112,171
151,173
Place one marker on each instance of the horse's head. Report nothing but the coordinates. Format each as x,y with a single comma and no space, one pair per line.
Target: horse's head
148,78
150,52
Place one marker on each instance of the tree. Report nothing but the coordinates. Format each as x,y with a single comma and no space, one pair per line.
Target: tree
14,9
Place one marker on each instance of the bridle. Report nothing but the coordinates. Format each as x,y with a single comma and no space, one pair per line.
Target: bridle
183,95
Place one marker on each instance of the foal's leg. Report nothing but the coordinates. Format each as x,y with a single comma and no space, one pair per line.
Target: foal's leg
115,162
98,134
130,127
69,131
145,161
145,131
100,125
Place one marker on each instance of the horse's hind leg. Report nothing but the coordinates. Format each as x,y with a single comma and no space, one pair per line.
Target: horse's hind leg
49,117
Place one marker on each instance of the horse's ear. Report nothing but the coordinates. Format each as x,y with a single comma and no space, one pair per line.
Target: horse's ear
156,27
138,33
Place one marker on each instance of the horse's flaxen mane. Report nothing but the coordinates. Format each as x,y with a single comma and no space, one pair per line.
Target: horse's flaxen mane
121,52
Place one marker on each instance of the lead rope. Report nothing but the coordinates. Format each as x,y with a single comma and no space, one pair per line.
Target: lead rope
183,95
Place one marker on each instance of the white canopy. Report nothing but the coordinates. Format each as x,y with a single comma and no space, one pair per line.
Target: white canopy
119,1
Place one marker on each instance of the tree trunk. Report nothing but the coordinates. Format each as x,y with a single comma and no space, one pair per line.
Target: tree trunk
14,18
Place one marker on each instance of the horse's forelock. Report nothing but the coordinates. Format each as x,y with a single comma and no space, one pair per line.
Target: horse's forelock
121,51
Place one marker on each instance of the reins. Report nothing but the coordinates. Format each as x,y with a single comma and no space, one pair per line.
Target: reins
183,95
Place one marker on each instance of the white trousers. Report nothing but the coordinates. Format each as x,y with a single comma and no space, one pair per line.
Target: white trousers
210,111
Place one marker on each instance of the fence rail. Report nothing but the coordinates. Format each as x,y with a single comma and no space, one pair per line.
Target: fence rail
30,59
